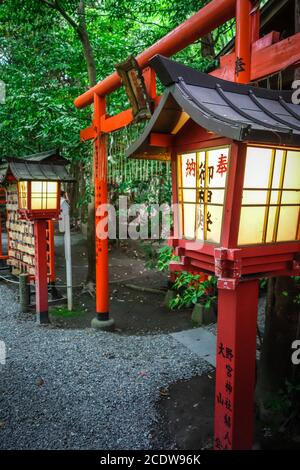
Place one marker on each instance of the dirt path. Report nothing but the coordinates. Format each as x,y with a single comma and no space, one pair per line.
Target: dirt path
134,312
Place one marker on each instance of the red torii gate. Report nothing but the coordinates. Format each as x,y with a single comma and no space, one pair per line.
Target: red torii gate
255,59
261,57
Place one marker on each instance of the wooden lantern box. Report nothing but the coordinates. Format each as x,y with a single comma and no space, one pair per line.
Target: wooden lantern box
235,152
20,230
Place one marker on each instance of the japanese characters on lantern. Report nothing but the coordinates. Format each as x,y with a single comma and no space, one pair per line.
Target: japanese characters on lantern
201,190
271,196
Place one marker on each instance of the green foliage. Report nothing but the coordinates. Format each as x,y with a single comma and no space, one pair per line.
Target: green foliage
282,402
190,290
165,256
44,69
279,403
263,282
158,258
65,313
296,298
151,255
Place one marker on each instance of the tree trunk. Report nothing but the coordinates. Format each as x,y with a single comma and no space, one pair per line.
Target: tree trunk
91,253
82,33
89,57
282,317
75,192
91,243
208,46
91,69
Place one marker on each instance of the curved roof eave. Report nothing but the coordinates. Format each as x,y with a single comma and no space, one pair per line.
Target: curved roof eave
137,149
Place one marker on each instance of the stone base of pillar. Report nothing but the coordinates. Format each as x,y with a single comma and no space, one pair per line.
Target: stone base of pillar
105,325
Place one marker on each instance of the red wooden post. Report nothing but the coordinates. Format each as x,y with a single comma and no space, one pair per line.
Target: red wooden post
51,250
255,25
102,299
243,41
237,301
0,236
41,282
236,362
102,320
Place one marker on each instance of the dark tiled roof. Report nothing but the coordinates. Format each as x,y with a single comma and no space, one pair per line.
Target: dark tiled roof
46,166
237,111
49,154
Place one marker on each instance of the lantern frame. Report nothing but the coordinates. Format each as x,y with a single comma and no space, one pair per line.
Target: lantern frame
44,167
227,259
34,214
221,114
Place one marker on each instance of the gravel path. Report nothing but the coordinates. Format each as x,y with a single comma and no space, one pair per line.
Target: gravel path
80,389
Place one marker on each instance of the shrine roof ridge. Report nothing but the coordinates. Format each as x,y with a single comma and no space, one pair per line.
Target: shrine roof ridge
51,155
170,71
44,166
232,110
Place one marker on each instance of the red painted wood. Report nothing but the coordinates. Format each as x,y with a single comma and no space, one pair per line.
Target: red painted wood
243,41
160,140
88,133
227,60
150,82
277,57
176,229
266,41
227,71
41,283
233,200
199,256
255,25
270,249
264,62
238,298
207,248
235,372
113,123
191,134
52,276
207,267
100,182
265,268
287,257
255,251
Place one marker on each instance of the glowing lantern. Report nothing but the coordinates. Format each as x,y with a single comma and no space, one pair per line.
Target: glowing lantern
270,195
235,155
38,177
201,181
39,199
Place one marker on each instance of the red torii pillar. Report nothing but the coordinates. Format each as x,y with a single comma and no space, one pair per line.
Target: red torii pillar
102,320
